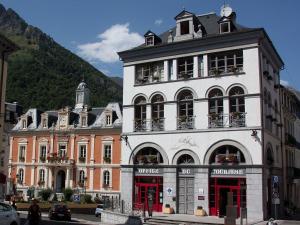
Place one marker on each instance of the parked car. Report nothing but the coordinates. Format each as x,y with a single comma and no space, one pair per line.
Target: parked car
60,211
8,215
99,209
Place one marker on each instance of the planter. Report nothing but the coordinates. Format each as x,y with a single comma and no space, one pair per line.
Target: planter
168,210
200,212
107,159
81,159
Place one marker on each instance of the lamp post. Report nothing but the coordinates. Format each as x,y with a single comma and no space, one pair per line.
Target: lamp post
84,184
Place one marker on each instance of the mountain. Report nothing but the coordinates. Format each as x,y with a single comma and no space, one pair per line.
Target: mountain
118,80
45,75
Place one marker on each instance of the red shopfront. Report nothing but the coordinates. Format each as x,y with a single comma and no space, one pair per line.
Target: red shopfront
221,182
148,181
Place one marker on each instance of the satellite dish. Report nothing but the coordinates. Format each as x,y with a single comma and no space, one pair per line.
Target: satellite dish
226,10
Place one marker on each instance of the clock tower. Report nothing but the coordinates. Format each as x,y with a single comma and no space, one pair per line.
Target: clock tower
82,95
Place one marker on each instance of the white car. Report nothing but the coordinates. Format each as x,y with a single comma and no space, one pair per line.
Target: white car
99,210
8,215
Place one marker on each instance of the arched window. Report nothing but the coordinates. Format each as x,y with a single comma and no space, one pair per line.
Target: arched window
215,104
270,157
185,110
21,176
140,113
185,159
227,154
42,175
157,108
237,107
81,176
106,179
148,155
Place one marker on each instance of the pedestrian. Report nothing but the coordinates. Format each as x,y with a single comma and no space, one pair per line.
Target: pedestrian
14,205
150,203
34,213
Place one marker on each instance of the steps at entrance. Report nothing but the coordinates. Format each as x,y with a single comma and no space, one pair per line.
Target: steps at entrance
159,221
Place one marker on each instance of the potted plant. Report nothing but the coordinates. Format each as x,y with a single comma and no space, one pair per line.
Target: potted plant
167,209
81,159
42,158
107,159
21,158
41,183
200,211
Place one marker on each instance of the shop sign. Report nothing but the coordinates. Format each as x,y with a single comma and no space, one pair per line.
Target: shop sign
228,172
148,171
186,171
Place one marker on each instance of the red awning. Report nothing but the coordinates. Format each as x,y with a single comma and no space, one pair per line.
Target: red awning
2,178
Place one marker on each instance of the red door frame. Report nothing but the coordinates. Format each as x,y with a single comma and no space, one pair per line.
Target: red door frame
214,211
140,201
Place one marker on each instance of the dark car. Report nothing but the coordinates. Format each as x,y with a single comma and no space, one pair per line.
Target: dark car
59,211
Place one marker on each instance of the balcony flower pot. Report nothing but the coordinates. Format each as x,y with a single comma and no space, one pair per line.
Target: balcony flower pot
200,211
107,159
167,209
81,184
41,183
21,159
81,159
42,158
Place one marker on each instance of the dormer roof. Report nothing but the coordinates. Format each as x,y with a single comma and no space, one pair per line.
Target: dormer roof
184,14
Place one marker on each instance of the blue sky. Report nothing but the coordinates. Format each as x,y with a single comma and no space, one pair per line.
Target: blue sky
96,29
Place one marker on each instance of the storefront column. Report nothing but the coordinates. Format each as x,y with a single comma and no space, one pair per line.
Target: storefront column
91,180
67,184
201,188
127,185
254,193
169,182
72,146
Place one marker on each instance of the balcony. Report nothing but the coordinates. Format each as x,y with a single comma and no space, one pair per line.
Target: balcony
234,119
185,122
224,71
156,124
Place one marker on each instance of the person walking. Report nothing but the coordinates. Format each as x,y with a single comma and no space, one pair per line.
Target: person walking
150,203
34,213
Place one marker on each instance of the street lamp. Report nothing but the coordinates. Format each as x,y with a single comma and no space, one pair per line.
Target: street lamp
84,184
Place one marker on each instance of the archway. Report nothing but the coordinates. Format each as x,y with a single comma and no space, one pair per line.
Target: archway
60,181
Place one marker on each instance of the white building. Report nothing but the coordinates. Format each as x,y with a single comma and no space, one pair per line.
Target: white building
200,107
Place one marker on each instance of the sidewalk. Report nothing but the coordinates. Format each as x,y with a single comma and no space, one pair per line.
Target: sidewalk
184,218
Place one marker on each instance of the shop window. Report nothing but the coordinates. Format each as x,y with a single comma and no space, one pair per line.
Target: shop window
185,67
227,155
184,27
185,110
157,109
140,114
148,155
226,62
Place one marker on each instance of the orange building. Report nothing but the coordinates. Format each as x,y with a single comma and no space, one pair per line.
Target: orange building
77,148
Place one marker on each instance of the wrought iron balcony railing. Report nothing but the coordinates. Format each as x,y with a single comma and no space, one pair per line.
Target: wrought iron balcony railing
234,119
185,122
156,124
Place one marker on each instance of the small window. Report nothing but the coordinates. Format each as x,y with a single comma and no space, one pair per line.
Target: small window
24,125
108,120
184,27
107,153
45,124
225,27
150,41
21,176
81,177
82,153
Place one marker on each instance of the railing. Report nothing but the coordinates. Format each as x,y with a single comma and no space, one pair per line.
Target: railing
219,120
185,122
156,124
223,71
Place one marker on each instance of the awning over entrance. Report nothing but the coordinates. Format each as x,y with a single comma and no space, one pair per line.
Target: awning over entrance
2,178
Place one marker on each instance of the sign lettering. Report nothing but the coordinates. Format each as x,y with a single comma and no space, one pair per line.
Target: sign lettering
237,172
148,171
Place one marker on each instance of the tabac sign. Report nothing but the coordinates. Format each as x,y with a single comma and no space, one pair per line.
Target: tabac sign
228,172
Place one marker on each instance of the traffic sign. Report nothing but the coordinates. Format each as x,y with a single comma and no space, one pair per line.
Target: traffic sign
275,179
76,198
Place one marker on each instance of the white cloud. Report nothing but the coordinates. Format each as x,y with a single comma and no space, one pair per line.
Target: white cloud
284,83
116,38
158,22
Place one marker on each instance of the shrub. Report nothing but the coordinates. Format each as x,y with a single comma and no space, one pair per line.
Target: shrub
87,198
68,192
97,200
45,194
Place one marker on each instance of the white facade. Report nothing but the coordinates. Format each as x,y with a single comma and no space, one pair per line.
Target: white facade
201,140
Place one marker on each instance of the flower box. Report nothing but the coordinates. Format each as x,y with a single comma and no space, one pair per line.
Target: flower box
42,158
107,159
81,159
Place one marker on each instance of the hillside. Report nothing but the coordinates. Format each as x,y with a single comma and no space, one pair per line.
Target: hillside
44,74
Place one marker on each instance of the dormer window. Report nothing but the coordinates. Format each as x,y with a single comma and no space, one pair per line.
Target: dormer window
45,123
108,120
83,121
184,27
150,41
225,27
24,123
